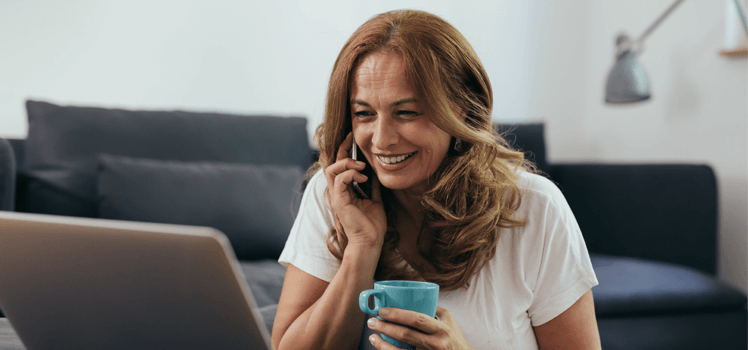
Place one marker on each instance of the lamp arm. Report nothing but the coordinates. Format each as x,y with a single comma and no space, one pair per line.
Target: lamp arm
657,22
741,14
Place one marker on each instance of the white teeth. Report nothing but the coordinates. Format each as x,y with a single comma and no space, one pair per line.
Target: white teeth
394,160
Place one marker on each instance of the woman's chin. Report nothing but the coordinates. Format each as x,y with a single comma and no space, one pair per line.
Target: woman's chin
393,183
397,183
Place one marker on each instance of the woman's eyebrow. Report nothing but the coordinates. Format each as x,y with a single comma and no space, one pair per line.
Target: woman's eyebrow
393,104
359,102
403,101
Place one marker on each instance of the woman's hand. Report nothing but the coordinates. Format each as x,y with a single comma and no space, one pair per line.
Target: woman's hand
358,221
441,332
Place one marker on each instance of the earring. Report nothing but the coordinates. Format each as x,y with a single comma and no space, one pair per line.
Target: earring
458,145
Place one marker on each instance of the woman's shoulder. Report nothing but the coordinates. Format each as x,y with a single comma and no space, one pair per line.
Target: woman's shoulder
317,183
314,193
537,184
537,190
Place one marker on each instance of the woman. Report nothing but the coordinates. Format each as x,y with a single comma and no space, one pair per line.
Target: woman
449,205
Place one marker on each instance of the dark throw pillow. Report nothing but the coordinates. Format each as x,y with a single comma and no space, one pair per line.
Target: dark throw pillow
254,205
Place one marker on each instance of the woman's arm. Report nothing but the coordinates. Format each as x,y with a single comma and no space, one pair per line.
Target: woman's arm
294,301
314,314
575,328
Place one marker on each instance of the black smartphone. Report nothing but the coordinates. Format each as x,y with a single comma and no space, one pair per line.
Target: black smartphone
363,189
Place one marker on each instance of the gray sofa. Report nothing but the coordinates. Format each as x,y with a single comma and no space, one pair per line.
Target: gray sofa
651,229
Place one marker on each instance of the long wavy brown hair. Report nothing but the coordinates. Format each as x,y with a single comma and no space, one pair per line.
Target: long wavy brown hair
474,192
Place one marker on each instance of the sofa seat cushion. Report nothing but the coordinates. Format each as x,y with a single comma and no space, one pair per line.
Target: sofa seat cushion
632,286
254,205
675,331
265,280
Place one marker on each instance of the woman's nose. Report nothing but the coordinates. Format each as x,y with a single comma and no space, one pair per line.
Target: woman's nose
385,134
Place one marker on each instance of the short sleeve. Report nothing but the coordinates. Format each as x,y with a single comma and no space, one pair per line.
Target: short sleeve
559,267
306,247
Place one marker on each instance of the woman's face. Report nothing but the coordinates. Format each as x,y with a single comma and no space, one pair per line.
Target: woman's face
391,127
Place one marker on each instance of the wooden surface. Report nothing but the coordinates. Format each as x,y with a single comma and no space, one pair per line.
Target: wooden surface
741,52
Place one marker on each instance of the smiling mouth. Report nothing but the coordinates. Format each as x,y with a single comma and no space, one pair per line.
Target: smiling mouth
395,160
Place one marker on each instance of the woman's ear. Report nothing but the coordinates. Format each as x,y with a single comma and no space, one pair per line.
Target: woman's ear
458,112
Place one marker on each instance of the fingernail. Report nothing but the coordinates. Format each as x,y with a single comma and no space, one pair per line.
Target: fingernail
384,311
372,322
372,338
358,162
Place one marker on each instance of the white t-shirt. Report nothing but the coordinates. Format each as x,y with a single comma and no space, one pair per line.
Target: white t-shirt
538,272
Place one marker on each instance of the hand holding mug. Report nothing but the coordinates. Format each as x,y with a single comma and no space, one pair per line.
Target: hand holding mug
416,329
409,318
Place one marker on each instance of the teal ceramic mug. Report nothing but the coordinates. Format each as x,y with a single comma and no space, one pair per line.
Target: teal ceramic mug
409,295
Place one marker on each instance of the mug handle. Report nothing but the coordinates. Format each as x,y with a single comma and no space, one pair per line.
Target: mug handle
363,301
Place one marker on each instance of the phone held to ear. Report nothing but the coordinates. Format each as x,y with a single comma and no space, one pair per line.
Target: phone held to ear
363,189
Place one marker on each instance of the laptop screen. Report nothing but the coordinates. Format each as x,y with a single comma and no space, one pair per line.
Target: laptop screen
94,284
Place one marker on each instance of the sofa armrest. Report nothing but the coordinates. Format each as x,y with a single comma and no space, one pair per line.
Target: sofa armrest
664,212
22,179
7,176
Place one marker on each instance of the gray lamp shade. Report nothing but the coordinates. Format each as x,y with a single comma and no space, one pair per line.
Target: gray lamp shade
627,82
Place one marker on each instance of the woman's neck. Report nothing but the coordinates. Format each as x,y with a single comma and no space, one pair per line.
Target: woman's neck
410,203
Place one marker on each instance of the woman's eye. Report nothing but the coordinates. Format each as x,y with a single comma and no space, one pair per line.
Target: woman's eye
362,114
407,114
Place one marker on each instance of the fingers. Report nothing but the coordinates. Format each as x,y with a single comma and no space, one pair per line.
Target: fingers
417,329
343,160
404,325
345,178
417,320
442,313
348,169
344,151
342,165
335,171
395,331
381,344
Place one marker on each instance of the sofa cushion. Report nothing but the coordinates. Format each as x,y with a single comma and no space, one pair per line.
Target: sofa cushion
631,286
63,143
661,212
529,138
254,205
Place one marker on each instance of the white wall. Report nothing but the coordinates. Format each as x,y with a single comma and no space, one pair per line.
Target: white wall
547,60
237,56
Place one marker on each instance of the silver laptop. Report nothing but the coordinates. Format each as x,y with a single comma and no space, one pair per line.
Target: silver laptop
75,283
